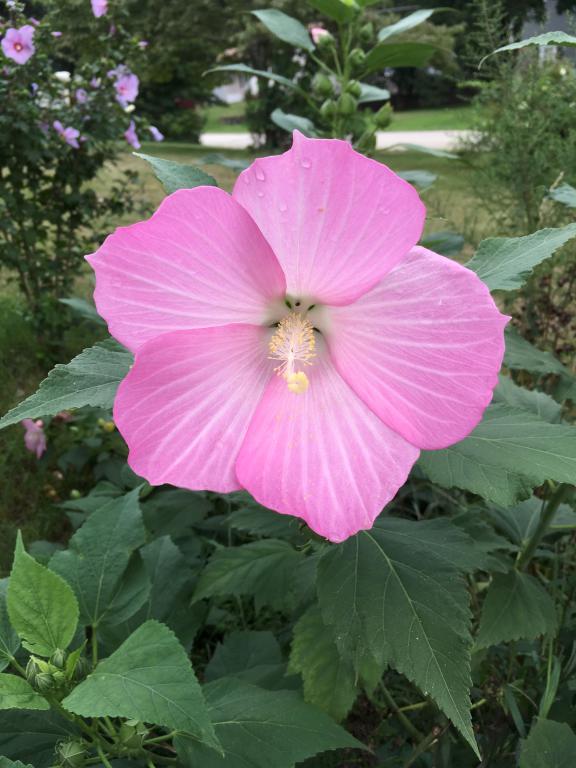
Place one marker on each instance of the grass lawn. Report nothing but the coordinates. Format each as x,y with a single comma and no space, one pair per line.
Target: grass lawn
219,119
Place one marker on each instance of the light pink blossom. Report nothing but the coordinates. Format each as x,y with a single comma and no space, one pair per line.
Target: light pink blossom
317,33
292,340
34,437
131,136
156,134
126,87
99,8
69,135
18,44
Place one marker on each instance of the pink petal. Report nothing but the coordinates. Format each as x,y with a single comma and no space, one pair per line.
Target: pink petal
422,349
185,406
336,220
199,261
322,455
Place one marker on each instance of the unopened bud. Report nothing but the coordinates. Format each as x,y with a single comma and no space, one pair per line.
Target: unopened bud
354,88
72,754
383,117
347,104
321,85
58,659
328,109
357,57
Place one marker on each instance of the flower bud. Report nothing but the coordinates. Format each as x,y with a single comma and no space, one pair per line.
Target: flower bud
72,754
44,682
328,109
347,104
383,117
354,88
32,671
357,57
321,85
325,41
367,142
367,32
58,659
132,735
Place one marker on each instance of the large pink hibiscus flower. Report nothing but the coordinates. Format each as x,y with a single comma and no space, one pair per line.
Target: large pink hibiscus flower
291,338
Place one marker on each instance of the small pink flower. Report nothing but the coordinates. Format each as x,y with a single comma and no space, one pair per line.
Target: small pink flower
56,34
69,135
317,33
99,8
292,340
18,44
34,437
81,96
156,134
126,88
143,44
131,136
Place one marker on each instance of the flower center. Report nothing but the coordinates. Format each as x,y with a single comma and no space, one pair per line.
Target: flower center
18,47
294,345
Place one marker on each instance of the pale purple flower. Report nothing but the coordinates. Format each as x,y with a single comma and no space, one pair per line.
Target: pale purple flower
18,44
131,136
99,8
96,82
156,134
56,34
81,96
69,135
143,44
126,87
34,88
34,437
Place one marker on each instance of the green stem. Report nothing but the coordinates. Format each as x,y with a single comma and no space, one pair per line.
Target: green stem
422,747
18,667
412,730
94,641
546,517
103,757
160,739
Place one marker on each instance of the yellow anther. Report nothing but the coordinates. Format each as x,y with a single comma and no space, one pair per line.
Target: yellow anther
297,382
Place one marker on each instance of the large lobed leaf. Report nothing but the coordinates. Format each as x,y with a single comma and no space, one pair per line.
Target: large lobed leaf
405,24
32,735
547,38
398,55
505,263
174,176
17,693
396,594
9,640
549,745
42,608
260,729
148,678
91,378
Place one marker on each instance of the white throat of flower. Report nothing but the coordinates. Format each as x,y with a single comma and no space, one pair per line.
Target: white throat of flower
294,345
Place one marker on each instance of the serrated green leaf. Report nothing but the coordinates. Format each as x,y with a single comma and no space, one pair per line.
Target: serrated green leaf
5,762
506,263
329,679
549,745
17,693
84,309
421,179
335,9
9,640
516,607
42,608
386,55
293,123
371,93
174,176
260,729
131,593
285,28
245,70
519,523
539,403
260,521
487,461
405,24
32,735
148,678
547,38
565,194
91,378
446,243
395,593
262,569
254,657
99,553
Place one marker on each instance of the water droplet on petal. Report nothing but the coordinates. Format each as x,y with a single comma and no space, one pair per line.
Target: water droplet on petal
260,175
306,163
282,207
260,193
246,178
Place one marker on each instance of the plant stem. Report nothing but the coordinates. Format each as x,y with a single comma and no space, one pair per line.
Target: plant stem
546,517
103,757
20,669
160,739
424,745
412,730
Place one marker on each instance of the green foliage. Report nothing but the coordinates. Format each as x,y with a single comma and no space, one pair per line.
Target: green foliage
16,693
148,678
9,640
174,176
42,608
516,606
285,28
554,743
91,378
262,728
547,38
395,594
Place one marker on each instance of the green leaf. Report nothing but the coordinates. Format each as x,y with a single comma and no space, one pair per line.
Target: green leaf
9,640
507,439
5,762
549,745
536,402
565,194
42,608
263,569
84,309
372,93
329,679
91,378
174,176
293,123
254,657
506,263
446,243
260,729
396,594
421,179
98,555
408,22
285,28
260,521
522,356
548,38
32,735
17,693
516,607
245,70
335,9
398,55
148,678
519,523
428,151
